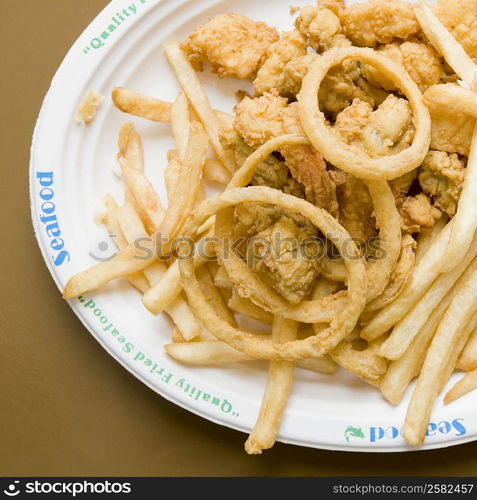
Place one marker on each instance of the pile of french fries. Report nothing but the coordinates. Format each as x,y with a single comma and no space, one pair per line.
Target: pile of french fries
424,325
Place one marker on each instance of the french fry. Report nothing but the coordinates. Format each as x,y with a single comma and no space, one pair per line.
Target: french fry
425,273
137,280
468,360
408,328
130,147
199,101
214,171
248,308
177,335
451,332
144,198
279,383
454,97
178,310
446,44
133,103
214,297
465,385
88,107
465,220
181,121
171,176
427,237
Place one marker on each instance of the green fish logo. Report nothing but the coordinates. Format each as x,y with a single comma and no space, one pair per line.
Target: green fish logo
354,432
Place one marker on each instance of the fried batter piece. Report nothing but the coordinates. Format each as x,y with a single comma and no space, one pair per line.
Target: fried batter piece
322,28
291,45
232,44
460,17
259,120
417,213
356,209
379,21
275,254
289,83
441,177
383,132
419,59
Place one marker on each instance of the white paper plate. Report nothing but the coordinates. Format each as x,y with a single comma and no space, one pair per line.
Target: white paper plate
71,170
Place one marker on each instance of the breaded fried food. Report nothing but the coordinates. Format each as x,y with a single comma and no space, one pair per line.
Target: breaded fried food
451,132
379,21
356,209
441,177
385,131
460,18
291,45
417,213
232,44
419,59
260,119
321,27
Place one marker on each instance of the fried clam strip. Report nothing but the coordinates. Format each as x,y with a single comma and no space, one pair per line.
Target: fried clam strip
457,99
465,224
199,101
408,366
110,220
133,230
130,259
349,158
466,384
216,353
408,328
277,390
399,277
137,104
387,216
316,346
452,332
425,273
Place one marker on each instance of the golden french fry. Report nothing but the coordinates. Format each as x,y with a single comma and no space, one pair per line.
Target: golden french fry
450,333
181,121
248,308
199,101
177,335
454,97
427,237
279,382
465,385
446,44
137,280
468,360
141,105
422,278
214,171
408,328
178,309
130,147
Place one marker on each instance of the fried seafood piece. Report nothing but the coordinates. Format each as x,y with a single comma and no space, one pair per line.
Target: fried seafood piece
383,132
277,257
232,44
271,172
419,59
321,27
417,213
379,21
356,209
441,177
291,45
336,6
460,17
451,132
261,119
289,83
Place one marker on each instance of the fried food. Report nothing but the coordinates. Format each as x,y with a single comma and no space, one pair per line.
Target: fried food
348,218
88,107
379,21
232,44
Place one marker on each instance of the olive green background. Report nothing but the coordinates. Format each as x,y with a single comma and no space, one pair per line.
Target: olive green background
67,408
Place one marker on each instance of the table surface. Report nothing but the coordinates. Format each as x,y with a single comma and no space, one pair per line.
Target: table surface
67,407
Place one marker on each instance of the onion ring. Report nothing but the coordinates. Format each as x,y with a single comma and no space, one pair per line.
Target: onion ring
349,158
314,346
